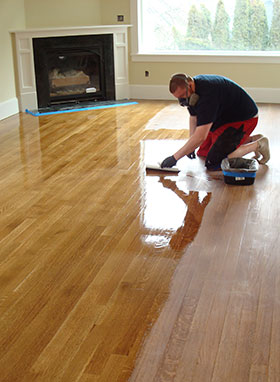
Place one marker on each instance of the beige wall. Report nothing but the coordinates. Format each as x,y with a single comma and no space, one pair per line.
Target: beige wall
61,13
110,9
11,17
247,75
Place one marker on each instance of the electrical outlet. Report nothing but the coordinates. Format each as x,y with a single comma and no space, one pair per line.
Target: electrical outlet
120,17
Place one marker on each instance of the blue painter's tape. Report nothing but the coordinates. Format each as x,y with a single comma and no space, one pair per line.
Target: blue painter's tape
240,174
36,114
32,113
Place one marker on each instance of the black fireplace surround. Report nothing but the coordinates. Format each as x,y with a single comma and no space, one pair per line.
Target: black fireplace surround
74,69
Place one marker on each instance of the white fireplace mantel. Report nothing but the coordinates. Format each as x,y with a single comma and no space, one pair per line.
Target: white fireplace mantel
25,59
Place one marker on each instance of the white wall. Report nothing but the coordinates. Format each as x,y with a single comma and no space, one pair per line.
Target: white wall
12,16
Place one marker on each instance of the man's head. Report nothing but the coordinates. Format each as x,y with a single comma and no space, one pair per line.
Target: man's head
179,85
182,87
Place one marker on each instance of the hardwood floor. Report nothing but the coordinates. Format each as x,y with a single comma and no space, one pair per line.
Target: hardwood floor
109,273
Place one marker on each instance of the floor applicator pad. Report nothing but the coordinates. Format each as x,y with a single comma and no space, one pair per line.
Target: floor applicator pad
156,166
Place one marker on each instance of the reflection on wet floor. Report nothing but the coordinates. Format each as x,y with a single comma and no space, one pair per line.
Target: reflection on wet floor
153,151
171,215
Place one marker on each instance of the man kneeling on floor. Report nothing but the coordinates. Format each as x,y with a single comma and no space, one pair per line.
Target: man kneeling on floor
222,119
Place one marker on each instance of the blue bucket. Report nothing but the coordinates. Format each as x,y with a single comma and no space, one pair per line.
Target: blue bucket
239,171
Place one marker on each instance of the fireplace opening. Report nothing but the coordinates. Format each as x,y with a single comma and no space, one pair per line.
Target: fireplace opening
74,73
74,69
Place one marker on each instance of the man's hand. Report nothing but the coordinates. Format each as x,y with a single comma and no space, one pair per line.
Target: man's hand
168,162
191,155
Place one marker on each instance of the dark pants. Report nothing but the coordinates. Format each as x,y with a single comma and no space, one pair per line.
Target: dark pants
224,140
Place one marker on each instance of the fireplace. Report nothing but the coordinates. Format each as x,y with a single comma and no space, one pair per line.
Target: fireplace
74,69
96,69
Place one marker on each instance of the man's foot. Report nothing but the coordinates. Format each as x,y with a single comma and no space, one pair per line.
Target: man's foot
257,155
256,137
263,148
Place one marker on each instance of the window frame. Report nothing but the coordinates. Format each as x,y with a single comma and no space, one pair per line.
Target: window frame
140,55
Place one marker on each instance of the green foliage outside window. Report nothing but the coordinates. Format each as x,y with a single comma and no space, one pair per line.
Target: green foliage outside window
247,30
274,35
220,29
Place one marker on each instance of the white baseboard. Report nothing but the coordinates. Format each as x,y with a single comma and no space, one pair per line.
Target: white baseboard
161,92
154,92
8,108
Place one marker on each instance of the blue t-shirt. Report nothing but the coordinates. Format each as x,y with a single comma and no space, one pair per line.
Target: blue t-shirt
221,101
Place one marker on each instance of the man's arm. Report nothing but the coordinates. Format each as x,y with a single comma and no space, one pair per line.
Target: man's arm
198,136
192,124
196,139
192,127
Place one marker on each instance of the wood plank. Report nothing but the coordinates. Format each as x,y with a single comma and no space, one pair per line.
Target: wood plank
108,273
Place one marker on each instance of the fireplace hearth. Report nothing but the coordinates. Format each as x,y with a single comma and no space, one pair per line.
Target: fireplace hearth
74,69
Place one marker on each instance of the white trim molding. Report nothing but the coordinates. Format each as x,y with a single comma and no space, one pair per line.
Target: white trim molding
26,71
8,108
161,92
216,56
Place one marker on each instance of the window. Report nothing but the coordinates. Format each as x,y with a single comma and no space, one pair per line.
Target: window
212,27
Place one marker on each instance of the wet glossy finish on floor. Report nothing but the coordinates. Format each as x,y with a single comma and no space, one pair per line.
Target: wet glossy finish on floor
109,272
